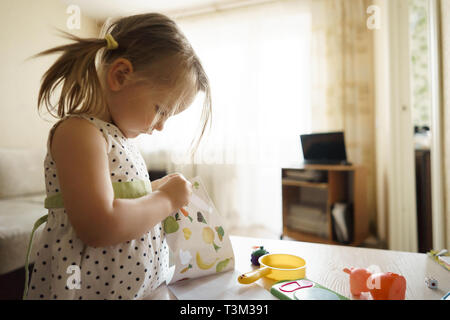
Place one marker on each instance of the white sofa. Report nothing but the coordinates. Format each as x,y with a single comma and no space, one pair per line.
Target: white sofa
22,194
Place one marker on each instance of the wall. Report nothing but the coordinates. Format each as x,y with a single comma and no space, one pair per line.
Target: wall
27,28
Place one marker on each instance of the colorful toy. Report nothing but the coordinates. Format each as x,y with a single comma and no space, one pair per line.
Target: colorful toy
382,286
256,254
276,266
441,257
431,283
303,289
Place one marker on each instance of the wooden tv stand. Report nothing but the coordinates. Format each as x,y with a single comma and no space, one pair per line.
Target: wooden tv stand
343,183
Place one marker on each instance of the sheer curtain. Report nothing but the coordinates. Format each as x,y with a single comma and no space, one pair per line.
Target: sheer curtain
342,81
257,59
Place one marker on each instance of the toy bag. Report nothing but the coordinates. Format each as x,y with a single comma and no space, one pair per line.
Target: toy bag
198,243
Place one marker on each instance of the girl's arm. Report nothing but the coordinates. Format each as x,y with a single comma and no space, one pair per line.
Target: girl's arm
80,152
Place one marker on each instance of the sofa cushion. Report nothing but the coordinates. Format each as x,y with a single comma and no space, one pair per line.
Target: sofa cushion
17,217
21,172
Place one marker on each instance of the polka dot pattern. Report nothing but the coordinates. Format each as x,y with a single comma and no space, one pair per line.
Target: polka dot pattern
131,270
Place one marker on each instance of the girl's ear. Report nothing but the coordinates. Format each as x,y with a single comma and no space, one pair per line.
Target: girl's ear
118,74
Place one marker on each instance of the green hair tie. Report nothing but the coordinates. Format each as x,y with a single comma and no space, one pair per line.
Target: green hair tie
111,44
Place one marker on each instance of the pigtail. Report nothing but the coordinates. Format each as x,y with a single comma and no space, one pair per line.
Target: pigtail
75,69
143,39
206,116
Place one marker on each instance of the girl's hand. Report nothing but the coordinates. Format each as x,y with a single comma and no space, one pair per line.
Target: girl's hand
177,189
159,182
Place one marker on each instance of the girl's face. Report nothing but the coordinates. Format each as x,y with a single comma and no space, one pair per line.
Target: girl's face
133,107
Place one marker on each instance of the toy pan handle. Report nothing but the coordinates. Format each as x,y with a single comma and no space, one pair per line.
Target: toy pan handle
253,275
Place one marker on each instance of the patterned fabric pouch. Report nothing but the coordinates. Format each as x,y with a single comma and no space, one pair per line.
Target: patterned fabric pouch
198,243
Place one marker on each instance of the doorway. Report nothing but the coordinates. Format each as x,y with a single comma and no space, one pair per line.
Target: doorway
425,89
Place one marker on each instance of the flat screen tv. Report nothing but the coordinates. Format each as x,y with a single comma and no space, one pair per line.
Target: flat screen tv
324,148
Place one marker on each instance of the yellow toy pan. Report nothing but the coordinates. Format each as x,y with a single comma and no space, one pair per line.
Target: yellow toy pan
276,266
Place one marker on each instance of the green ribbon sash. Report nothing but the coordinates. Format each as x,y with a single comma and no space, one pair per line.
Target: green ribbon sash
122,190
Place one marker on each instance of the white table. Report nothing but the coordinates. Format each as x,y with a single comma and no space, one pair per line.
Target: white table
324,264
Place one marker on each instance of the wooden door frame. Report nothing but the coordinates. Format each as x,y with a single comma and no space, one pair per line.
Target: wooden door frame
436,152
396,191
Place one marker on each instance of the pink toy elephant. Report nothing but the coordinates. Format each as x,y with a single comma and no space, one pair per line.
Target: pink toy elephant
382,286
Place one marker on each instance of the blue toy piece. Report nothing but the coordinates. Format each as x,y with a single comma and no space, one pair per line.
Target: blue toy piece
431,283
256,254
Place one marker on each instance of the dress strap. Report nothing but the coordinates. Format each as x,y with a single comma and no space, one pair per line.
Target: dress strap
53,128
100,124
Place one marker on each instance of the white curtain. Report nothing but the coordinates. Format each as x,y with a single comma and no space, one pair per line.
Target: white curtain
257,59
342,82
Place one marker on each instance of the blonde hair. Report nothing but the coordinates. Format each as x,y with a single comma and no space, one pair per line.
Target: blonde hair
146,40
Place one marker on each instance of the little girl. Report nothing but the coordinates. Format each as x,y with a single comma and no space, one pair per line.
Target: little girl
103,237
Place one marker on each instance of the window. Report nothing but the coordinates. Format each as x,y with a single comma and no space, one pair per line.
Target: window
257,60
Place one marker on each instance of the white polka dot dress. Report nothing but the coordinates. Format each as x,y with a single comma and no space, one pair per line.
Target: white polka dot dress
131,270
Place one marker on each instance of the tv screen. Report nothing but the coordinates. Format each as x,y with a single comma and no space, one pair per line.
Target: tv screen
324,147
